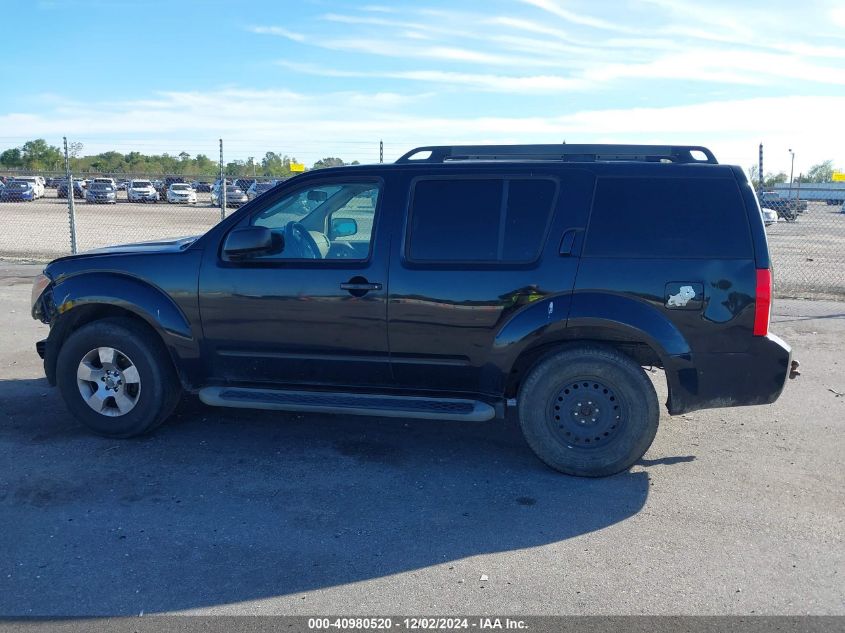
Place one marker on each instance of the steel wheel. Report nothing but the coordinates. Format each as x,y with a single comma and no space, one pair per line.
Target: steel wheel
586,413
108,381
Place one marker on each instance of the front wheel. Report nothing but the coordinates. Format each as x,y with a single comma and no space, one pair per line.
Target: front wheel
588,411
116,378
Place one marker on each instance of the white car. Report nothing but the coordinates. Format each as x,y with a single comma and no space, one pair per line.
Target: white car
180,192
34,182
141,191
770,216
106,181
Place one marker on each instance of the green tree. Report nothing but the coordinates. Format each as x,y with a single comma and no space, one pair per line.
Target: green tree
823,172
774,179
11,158
38,154
331,161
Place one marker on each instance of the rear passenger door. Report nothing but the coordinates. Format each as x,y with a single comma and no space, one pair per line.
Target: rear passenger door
475,250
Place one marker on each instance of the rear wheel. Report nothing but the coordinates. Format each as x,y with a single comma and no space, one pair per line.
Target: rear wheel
588,411
116,378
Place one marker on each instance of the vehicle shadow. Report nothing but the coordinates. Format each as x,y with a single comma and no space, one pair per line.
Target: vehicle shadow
222,506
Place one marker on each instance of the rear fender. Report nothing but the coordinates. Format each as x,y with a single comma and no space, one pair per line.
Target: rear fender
586,316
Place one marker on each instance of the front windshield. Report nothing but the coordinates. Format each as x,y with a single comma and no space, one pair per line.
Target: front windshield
101,186
141,184
180,187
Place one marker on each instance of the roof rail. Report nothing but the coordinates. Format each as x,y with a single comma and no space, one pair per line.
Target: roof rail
562,152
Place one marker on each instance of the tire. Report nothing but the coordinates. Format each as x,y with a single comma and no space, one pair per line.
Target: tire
145,405
588,411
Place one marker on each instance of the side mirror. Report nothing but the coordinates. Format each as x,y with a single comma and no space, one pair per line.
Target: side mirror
250,240
343,227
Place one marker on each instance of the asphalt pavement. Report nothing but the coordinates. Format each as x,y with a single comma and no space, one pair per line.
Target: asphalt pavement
732,511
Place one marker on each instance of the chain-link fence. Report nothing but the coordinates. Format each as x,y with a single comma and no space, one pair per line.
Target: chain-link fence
806,231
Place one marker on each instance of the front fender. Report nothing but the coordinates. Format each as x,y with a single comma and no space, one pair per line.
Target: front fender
72,296
151,304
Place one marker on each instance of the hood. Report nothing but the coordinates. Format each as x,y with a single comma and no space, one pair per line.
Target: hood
158,246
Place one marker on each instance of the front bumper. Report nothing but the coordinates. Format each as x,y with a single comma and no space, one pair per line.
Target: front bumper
708,381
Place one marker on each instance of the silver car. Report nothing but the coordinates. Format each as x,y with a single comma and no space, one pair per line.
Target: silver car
235,197
141,191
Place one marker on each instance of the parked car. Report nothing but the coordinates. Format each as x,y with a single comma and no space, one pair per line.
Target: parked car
770,216
201,186
163,185
235,197
244,183
141,191
18,191
787,208
35,182
101,193
122,184
78,189
533,279
257,188
54,181
180,192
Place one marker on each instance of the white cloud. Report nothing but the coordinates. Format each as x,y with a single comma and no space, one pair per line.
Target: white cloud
556,9
278,30
350,124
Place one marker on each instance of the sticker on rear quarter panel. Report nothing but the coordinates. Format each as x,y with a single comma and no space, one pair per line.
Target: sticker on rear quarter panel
684,295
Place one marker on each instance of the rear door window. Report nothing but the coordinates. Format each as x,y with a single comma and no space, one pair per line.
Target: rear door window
483,220
668,218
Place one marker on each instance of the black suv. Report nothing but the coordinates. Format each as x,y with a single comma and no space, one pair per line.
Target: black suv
456,284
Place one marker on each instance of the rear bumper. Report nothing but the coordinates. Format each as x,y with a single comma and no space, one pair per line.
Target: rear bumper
710,381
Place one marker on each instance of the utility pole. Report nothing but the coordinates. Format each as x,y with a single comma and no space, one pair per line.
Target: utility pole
71,210
222,190
381,151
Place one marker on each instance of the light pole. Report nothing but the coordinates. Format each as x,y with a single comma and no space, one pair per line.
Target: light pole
791,169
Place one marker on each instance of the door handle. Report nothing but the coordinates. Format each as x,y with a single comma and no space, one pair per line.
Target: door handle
359,286
363,286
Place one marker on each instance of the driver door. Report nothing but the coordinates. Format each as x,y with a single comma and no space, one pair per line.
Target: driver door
313,311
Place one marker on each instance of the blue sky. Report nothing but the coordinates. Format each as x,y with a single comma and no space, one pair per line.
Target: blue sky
325,77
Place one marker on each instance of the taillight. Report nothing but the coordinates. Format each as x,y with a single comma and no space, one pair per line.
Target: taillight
762,302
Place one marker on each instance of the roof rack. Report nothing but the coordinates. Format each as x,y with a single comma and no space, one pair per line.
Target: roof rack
563,152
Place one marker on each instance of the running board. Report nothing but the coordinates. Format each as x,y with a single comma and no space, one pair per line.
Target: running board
350,403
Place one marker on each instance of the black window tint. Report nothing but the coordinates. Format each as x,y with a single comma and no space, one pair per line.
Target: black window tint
529,204
668,217
464,220
456,220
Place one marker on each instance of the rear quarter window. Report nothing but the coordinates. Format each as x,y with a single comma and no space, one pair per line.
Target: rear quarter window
668,218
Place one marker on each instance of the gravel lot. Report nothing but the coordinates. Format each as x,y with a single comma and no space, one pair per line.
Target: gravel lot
733,511
38,230
808,255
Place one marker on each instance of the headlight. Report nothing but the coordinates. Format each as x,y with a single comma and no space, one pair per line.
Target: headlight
38,286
